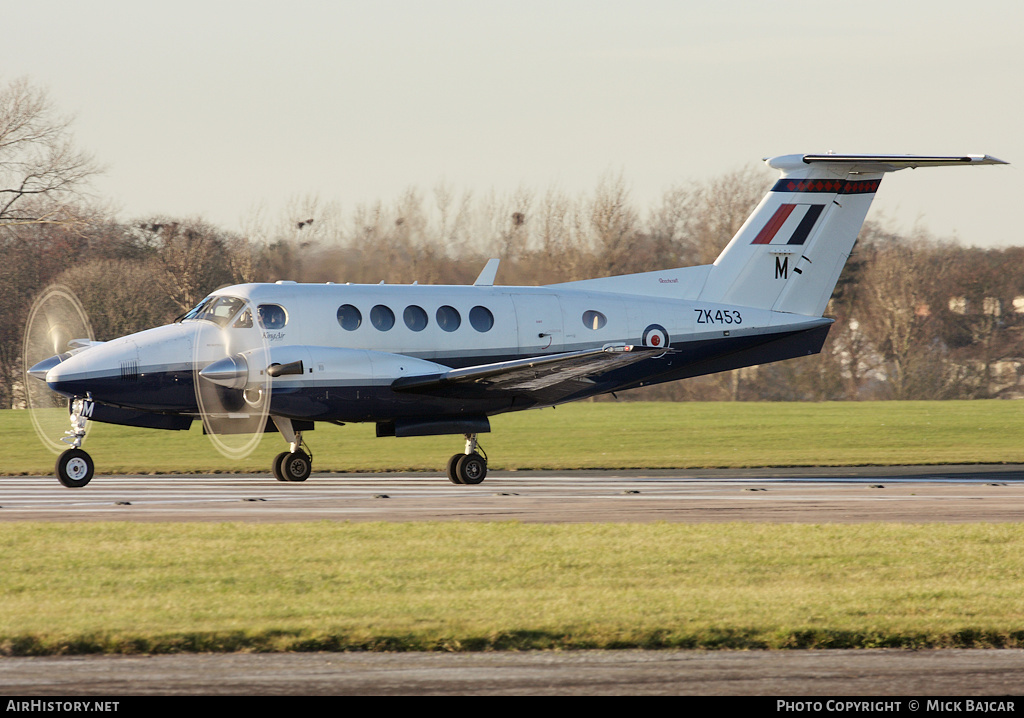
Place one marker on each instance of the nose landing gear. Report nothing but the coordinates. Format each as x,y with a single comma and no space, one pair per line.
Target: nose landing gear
75,467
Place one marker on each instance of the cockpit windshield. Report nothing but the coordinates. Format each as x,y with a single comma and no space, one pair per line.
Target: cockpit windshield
219,310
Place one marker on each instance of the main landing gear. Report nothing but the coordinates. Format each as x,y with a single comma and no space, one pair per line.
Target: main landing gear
294,464
469,467
75,467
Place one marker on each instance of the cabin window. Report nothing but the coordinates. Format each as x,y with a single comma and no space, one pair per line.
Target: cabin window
415,318
382,318
272,316
594,320
448,318
481,318
349,317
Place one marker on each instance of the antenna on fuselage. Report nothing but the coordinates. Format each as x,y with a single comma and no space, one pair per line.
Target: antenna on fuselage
486,278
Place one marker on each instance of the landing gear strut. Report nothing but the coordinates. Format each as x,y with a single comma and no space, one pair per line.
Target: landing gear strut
469,467
294,464
75,467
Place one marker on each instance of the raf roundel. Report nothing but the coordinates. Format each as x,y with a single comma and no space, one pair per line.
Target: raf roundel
655,336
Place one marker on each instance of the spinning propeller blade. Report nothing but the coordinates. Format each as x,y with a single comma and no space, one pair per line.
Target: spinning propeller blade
231,382
57,326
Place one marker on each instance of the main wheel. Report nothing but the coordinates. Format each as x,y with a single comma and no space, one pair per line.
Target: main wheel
452,475
471,468
277,468
74,468
296,466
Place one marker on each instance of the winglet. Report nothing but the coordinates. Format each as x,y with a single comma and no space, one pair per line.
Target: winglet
486,278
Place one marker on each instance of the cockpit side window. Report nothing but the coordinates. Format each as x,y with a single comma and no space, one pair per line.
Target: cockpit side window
244,320
272,316
219,310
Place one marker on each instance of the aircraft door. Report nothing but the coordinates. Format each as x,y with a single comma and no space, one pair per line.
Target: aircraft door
539,321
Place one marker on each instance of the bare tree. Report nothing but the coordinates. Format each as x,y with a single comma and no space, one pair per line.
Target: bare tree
902,285
979,320
613,226
557,255
453,220
700,218
41,172
118,296
193,257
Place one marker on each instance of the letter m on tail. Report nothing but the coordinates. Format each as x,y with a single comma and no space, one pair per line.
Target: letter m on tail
781,267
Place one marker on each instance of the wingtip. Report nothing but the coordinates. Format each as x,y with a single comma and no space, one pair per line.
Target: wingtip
990,160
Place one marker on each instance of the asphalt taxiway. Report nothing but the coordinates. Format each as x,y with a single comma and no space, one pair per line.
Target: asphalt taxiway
834,673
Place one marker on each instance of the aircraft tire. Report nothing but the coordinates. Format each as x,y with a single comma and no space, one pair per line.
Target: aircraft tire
452,475
276,467
74,468
296,466
471,468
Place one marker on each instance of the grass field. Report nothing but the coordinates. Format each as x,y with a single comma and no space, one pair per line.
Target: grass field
594,435
130,588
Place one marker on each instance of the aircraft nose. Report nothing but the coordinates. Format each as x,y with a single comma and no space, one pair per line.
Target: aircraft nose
40,370
150,370
65,373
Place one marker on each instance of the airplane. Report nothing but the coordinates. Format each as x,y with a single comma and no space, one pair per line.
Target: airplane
422,360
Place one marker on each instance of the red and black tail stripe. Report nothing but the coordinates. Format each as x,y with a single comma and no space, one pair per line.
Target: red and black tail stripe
769,234
806,224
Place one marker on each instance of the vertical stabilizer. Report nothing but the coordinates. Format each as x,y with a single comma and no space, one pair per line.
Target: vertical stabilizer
789,253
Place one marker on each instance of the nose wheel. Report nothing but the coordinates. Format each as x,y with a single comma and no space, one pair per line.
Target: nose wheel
74,468
469,467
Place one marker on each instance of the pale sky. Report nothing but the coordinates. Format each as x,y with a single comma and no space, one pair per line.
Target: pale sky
215,108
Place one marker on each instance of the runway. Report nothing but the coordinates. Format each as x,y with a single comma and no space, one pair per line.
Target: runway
794,674
814,495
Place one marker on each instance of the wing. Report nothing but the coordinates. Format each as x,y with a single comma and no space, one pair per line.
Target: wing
546,379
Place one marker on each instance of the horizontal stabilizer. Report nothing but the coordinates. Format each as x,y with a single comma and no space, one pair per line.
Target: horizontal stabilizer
892,163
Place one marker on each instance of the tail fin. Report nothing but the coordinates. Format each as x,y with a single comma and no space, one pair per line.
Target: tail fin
788,255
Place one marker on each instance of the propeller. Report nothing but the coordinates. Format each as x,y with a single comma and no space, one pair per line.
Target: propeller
57,327
232,385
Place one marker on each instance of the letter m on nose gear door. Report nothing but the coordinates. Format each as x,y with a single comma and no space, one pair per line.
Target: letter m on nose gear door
539,322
